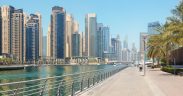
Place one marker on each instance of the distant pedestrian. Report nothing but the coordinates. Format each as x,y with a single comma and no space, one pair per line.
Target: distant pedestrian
140,67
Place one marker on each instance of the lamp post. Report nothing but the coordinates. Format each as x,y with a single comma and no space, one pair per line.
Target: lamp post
144,67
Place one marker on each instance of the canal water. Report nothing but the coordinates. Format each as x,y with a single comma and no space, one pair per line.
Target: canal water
45,71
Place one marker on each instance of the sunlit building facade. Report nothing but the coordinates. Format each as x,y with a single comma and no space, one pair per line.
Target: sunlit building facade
90,35
17,34
6,15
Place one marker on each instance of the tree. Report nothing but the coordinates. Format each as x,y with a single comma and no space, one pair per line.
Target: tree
170,37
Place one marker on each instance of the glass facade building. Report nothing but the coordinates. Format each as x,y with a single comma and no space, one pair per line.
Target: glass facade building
32,38
58,32
76,44
153,28
103,40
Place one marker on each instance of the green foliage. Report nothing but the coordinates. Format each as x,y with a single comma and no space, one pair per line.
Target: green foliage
170,37
172,70
7,61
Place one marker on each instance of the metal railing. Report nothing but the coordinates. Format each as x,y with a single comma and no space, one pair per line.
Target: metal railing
64,85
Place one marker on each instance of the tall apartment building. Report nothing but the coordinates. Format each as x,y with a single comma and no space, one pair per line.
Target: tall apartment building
68,35
48,50
90,35
57,36
17,34
33,37
38,17
6,14
76,44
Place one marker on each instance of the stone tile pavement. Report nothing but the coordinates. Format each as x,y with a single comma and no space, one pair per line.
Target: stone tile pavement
130,82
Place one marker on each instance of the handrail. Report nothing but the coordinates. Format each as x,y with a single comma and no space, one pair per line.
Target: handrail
51,77
43,85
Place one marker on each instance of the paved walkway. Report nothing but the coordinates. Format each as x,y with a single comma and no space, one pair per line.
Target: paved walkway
130,82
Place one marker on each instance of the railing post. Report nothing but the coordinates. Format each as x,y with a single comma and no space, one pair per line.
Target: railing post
43,88
59,89
73,93
98,78
88,82
81,85
104,75
16,91
93,80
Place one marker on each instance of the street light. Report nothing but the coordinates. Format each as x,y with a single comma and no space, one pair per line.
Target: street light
145,37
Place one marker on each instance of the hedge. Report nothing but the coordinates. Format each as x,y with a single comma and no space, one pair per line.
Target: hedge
172,70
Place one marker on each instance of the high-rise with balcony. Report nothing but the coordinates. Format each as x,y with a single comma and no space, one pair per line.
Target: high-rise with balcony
6,16
33,37
90,35
57,36
17,34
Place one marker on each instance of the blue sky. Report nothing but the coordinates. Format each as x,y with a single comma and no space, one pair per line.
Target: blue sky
125,17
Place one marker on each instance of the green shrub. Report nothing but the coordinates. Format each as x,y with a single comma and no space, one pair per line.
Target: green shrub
172,70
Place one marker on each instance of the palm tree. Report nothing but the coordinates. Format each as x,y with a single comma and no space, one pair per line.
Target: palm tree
155,48
170,37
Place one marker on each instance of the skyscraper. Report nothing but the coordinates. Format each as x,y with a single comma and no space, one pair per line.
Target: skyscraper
126,56
6,13
26,18
32,38
134,53
103,40
68,35
44,46
58,17
83,44
106,36
90,35
100,42
125,43
75,26
116,48
76,44
153,28
17,34
39,20
48,50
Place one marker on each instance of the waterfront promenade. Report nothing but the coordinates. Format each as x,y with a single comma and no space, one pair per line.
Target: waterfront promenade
130,82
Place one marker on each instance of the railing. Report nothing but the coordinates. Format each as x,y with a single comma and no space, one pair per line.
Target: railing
58,85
